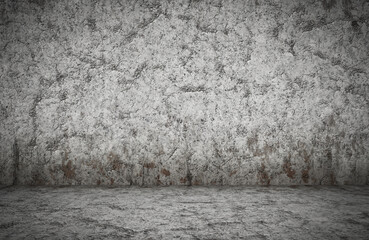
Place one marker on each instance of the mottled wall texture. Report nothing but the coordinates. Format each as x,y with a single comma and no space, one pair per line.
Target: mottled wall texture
184,92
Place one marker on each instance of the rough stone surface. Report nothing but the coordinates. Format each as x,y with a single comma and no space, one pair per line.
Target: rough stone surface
319,212
184,92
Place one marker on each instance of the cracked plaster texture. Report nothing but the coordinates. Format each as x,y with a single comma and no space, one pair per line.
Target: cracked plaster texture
184,92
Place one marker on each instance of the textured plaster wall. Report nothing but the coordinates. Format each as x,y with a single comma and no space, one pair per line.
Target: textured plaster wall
184,92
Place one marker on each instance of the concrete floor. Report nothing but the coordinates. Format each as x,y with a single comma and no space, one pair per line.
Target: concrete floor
185,212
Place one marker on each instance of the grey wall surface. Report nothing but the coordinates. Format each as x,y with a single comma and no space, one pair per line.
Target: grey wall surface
184,92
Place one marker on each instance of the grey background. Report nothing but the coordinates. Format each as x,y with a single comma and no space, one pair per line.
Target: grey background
184,92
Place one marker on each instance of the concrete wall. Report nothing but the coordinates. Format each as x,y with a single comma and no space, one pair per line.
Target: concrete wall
184,92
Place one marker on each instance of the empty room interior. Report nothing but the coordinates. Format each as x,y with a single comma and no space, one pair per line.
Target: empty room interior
188,119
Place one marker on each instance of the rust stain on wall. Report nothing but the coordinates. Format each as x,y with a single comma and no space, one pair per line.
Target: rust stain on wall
305,174
263,175
158,182
183,180
149,165
68,169
114,161
165,172
232,173
197,182
287,168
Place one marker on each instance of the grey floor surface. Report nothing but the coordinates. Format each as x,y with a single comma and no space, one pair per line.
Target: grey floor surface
184,212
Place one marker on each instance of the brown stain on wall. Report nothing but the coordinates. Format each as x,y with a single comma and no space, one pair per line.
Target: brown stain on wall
305,174
183,180
165,172
149,165
37,179
287,168
96,165
232,173
197,182
68,169
263,175
114,161
158,182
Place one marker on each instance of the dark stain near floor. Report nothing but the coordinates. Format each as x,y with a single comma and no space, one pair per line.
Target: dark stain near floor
158,182
183,180
15,162
287,168
38,178
333,179
329,156
115,162
263,175
305,174
197,182
68,170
